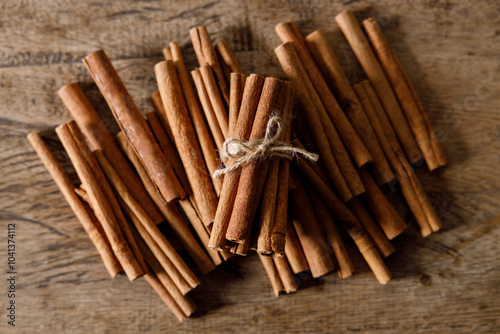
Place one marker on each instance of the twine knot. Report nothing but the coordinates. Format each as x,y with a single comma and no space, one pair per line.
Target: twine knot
241,152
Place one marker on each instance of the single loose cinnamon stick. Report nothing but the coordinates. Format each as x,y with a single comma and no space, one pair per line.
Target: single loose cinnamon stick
170,212
286,274
215,99
202,133
342,261
293,250
169,150
385,137
273,274
274,98
338,164
246,114
146,222
388,219
208,109
81,211
186,141
405,94
308,231
352,32
288,32
133,124
237,89
167,53
99,137
337,80
227,60
99,203
206,55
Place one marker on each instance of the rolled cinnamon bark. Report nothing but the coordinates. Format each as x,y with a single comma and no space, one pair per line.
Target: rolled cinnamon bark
307,227
145,221
416,115
167,54
164,295
81,211
273,274
246,115
337,80
215,99
170,212
387,217
206,55
288,32
228,61
133,124
286,274
274,99
342,261
186,141
333,154
78,154
237,88
293,250
352,32
208,109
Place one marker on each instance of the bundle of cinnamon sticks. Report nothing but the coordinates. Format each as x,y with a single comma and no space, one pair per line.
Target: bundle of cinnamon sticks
218,148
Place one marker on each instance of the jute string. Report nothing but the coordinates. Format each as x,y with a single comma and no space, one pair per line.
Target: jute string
242,152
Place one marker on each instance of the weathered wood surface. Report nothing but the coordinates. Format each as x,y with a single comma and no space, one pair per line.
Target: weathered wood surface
449,282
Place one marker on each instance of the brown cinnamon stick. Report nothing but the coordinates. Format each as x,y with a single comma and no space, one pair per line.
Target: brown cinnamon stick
99,137
293,250
167,54
286,274
133,124
274,98
387,217
208,109
215,99
205,53
246,114
98,201
237,89
337,80
171,213
339,167
288,32
81,211
273,274
202,133
164,295
186,140
227,60
416,116
352,32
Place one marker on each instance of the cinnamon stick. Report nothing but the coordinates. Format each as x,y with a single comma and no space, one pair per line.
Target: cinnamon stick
415,114
336,78
307,227
98,201
164,295
286,274
288,32
186,140
133,124
342,261
209,111
202,133
145,221
273,274
167,53
338,164
205,53
274,98
81,211
293,250
215,99
228,61
387,217
99,137
245,119
170,212
237,89
352,32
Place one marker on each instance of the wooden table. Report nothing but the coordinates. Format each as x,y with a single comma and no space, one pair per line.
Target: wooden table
449,282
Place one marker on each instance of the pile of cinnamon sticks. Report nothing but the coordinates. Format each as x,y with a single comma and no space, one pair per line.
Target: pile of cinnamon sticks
158,166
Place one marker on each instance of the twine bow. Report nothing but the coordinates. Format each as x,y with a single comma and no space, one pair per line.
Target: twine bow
241,152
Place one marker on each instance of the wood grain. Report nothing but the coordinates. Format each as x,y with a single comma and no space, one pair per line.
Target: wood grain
445,283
